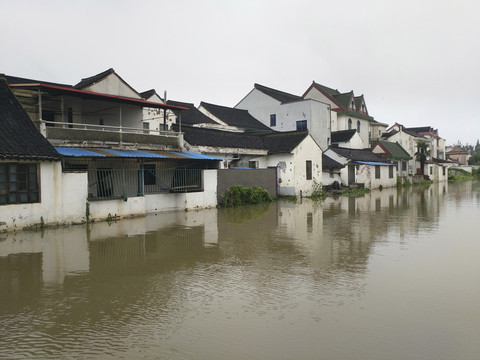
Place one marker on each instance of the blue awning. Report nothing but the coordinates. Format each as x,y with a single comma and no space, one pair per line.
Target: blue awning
139,154
374,163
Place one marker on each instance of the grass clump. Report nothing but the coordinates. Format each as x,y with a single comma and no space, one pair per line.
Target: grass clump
238,195
459,174
318,192
355,192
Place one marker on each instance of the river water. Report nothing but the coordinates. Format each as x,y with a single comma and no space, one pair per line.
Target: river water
391,275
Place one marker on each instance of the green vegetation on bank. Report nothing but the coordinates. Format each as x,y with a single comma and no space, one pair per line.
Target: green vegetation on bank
318,192
455,174
355,192
238,195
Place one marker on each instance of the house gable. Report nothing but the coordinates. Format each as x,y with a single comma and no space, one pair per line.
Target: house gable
324,94
108,82
19,137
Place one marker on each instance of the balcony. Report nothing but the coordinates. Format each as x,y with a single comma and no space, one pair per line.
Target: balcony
89,134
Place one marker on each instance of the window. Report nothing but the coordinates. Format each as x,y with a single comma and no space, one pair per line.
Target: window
49,117
301,125
349,124
377,171
19,184
404,165
309,169
273,119
443,170
431,170
358,126
70,117
390,172
149,174
253,164
146,128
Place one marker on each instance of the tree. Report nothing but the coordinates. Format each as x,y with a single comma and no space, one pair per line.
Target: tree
423,152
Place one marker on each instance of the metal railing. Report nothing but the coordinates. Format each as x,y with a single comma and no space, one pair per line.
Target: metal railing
104,184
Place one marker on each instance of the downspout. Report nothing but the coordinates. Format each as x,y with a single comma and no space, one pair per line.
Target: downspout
165,111
43,128
120,135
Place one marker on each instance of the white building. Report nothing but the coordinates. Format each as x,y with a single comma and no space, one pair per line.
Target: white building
347,112
281,111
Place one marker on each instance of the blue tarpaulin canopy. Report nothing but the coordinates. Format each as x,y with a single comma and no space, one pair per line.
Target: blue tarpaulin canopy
101,152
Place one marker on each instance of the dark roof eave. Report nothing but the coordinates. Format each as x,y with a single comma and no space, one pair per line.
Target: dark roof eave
99,96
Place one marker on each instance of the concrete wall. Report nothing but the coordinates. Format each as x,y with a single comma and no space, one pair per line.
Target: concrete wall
264,178
64,201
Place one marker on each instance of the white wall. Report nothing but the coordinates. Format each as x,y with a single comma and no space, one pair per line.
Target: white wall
342,124
292,168
112,85
317,114
64,201
50,209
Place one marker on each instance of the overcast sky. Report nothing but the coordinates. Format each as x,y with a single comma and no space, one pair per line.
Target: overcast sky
417,62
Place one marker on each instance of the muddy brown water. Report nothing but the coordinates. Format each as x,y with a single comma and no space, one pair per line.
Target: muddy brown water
391,275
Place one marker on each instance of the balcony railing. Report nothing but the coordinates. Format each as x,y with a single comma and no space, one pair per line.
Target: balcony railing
80,133
105,184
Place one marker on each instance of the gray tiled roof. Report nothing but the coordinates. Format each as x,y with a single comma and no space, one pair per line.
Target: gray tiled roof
19,137
342,135
235,117
281,96
357,154
192,116
328,163
93,79
275,142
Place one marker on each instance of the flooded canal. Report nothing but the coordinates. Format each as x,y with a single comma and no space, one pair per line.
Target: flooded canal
392,275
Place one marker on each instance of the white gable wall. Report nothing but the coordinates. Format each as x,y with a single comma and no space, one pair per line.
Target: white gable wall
292,168
113,85
316,114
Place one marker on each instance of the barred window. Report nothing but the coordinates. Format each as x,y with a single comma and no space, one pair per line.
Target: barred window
19,183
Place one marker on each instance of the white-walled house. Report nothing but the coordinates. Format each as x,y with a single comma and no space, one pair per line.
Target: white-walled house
408,140
347,112
156,120
364,168
281,111
347,139
394,152
295,155
31,184
110,165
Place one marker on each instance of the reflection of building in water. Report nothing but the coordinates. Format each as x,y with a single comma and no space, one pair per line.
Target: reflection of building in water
20,276
78,249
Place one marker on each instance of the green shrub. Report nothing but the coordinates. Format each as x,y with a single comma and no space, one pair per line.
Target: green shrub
355,192
238,195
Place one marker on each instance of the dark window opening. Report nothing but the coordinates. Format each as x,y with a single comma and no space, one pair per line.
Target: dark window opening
301,125
377,171
149,174
273,120
19,184
309,169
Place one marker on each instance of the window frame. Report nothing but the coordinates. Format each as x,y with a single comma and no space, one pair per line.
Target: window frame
308,170
273,120
19,183
302,125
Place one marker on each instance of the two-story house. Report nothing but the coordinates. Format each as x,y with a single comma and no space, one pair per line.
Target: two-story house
347,112
97,127
281,111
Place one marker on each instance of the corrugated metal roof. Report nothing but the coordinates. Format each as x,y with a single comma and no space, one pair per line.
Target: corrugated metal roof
101,152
